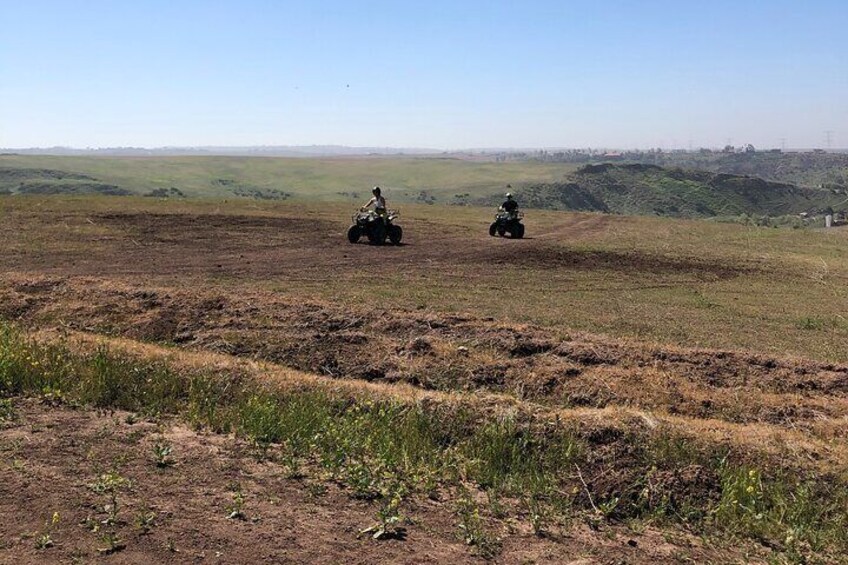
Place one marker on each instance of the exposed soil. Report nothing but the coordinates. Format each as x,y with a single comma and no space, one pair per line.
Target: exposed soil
144,276
51,459
251,246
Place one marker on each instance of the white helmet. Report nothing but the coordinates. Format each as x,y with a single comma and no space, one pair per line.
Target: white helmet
509,195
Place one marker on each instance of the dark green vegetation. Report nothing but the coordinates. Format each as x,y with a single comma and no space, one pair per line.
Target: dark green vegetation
51,181
811,169
395,450
636,189
808,168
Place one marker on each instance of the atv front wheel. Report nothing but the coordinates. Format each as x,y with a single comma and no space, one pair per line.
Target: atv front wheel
518,231
353,234
493,229
395,234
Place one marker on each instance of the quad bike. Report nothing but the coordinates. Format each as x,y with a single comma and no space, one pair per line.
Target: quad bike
507,222
375,228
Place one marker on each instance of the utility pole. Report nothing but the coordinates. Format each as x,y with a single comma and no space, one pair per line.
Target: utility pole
783,145
828,138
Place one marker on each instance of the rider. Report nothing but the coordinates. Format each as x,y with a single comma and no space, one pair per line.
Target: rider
510,205
379,203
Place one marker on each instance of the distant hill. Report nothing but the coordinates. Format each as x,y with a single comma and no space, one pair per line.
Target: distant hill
51,181
642,189
809,168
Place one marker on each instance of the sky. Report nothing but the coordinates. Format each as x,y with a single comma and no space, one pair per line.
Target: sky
433,74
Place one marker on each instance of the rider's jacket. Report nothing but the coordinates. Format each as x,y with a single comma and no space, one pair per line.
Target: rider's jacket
510,206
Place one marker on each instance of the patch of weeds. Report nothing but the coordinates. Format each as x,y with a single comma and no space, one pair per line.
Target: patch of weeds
371,445
388,516
496,505
120,382
7,410
316,489
506,455
110,543
235,510
162,454
471,529
210,402
45,539
808,323
293,465
110,484
702,301
145,520
538,512
53,396
804,519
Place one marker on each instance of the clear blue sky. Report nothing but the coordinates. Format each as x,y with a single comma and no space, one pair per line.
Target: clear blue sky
441,74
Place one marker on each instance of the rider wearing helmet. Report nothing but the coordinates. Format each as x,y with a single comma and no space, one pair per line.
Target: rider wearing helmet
510,205
378,201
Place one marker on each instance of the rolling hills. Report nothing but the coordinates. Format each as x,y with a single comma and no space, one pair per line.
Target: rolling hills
640,189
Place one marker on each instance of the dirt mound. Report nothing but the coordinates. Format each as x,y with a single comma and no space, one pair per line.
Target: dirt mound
452,353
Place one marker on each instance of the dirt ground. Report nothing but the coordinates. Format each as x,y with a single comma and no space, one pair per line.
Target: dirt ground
189,280
253,246
53,457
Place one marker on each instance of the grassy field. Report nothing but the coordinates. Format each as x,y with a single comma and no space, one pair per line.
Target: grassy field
317,179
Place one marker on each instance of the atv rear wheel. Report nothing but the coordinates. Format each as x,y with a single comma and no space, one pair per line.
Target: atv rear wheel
518,231
493,229
501,231
395,234
353,234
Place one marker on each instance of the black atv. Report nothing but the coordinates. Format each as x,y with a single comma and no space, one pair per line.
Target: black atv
375,228
507,222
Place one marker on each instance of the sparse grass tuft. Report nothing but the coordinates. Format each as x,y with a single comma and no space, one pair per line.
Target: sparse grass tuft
162,454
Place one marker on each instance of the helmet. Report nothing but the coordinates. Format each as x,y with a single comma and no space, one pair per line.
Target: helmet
509,195
376,190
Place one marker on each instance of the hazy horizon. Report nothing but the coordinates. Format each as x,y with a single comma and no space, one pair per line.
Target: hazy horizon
445,75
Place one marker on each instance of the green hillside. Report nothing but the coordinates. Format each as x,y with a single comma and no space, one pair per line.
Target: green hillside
407,179
809,168
639,189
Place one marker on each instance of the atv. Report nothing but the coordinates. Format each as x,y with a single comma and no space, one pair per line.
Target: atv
507,222
375,228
